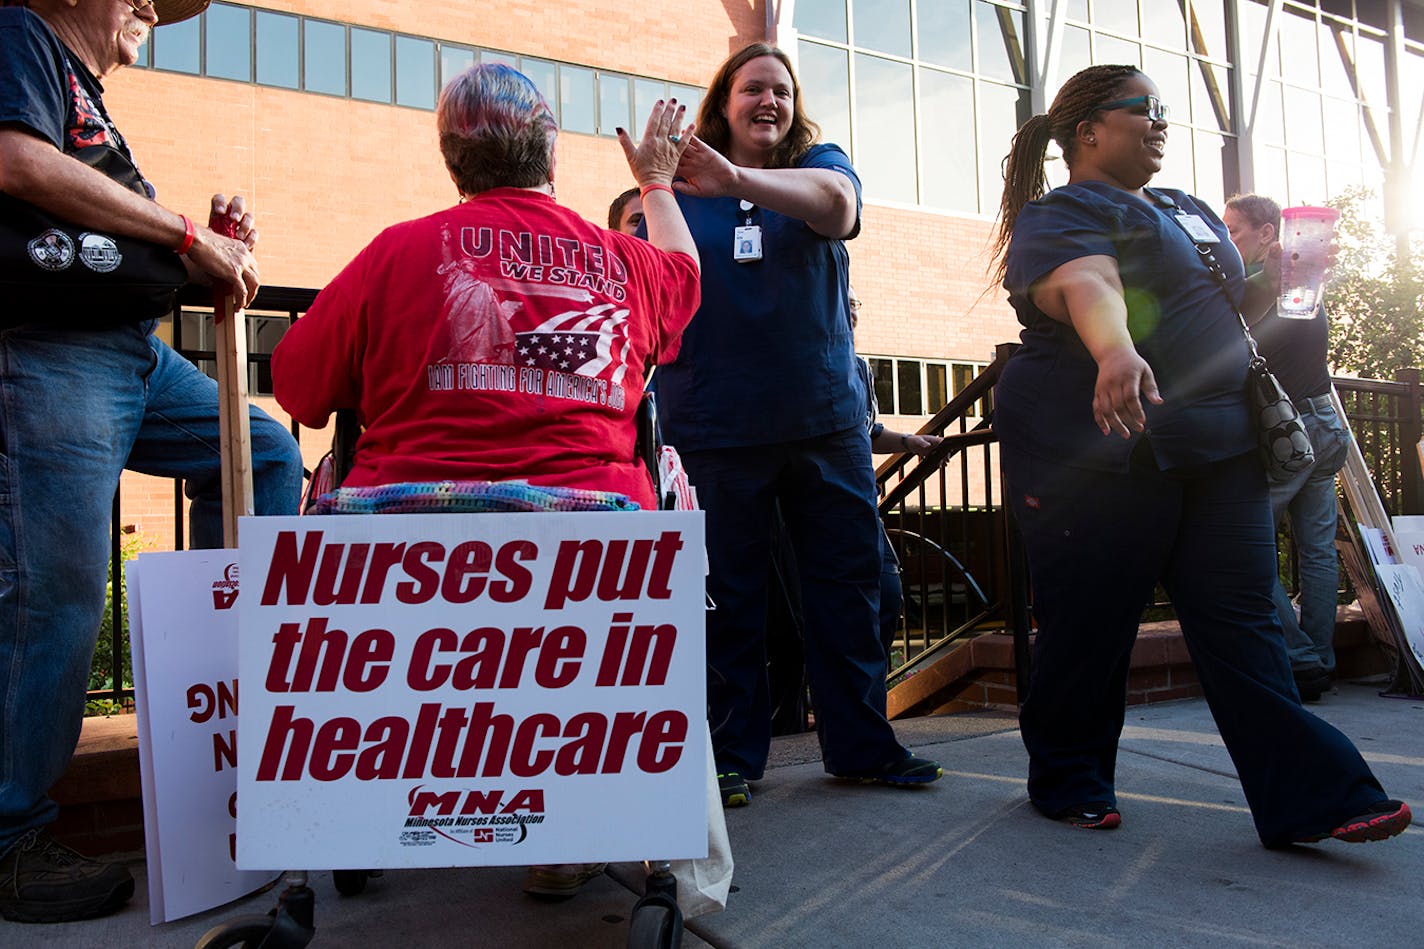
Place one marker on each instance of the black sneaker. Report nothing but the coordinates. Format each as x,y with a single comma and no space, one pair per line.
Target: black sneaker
1095,815
1311,682
45,882
735,792
1381,822
904,772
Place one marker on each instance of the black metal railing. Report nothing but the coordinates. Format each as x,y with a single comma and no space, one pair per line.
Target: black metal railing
960,569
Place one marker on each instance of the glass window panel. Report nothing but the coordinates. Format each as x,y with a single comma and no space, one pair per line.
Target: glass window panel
277,49
1303,128
944,34
883,25
145,52
825,90
370,65
1411,90
1252,15
1298,47
1307,178
936,391
1342,118
690,95
415,72
175,47
1165,24
1001,111
1214,154
1000,34
614,103
1074,53
1370,68
1341,175
823,18
947,101
1337,47
912,400
1120,16
1271,173
1169,72
1078,10
227,42
1116,51
493,56
646,92
963,375
453,61
1211,95
545,76
1270,119
576,100
324,57
885,126
1209,36
883,372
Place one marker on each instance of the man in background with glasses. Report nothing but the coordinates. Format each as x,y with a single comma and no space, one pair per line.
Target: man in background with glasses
86,390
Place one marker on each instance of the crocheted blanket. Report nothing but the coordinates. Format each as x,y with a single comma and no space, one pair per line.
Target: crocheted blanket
456,497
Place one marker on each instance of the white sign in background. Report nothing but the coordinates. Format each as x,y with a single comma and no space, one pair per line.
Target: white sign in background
472,690
183,635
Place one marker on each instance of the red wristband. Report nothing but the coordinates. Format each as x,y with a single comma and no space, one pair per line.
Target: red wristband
643,191
189,233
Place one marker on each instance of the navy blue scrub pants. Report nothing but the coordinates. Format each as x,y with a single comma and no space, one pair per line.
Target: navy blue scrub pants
826,486
1097,544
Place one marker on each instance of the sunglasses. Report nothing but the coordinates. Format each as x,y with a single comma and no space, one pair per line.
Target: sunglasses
1156,109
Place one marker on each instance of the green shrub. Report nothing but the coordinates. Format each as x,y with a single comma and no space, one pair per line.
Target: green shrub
106,668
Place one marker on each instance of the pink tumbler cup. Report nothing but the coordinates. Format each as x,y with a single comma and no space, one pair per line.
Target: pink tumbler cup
1306,234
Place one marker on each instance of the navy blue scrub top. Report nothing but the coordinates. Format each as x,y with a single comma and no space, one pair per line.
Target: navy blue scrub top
1181,320
768,357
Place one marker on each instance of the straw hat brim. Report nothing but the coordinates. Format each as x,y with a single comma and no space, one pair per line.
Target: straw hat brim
176,11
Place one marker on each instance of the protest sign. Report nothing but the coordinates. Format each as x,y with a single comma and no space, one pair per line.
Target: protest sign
183,636
472,689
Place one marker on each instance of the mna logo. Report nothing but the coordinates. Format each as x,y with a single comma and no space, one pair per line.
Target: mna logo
225,590
469,802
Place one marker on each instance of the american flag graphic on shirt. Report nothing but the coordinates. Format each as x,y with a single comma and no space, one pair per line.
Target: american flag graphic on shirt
583,342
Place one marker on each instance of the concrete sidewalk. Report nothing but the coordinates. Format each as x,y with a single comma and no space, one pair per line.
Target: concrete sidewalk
964,862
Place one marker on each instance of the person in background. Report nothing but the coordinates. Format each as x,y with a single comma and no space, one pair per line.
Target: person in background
626,212
1298,352
1129,456
87,393
885,441
764,403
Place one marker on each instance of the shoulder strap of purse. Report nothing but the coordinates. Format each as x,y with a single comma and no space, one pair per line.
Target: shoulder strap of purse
1209,258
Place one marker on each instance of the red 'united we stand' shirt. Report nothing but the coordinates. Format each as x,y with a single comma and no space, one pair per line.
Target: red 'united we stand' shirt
504,338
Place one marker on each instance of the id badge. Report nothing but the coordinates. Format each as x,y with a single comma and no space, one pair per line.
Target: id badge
746,243
1197,229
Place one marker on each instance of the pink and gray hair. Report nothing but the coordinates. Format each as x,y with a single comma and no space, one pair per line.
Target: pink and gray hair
496,130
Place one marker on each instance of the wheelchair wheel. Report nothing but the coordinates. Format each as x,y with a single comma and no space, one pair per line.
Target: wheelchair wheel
242,932
655,925
350,882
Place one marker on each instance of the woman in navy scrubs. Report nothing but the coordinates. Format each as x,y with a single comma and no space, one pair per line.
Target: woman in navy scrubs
1128,450
764,403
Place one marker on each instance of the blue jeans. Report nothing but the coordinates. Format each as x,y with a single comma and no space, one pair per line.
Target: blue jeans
76,408
1309,498
825,486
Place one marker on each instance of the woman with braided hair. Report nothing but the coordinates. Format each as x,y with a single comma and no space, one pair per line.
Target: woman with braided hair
1129,455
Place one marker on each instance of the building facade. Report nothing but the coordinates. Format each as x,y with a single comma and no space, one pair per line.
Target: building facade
321,113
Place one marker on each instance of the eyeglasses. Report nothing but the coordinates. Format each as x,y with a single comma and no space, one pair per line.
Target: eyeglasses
1156,109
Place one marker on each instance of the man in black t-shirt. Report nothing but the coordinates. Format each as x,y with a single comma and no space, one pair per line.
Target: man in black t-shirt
1298,353
86,390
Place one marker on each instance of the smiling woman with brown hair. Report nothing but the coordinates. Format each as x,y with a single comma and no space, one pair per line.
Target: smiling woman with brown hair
765,405
1129,457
